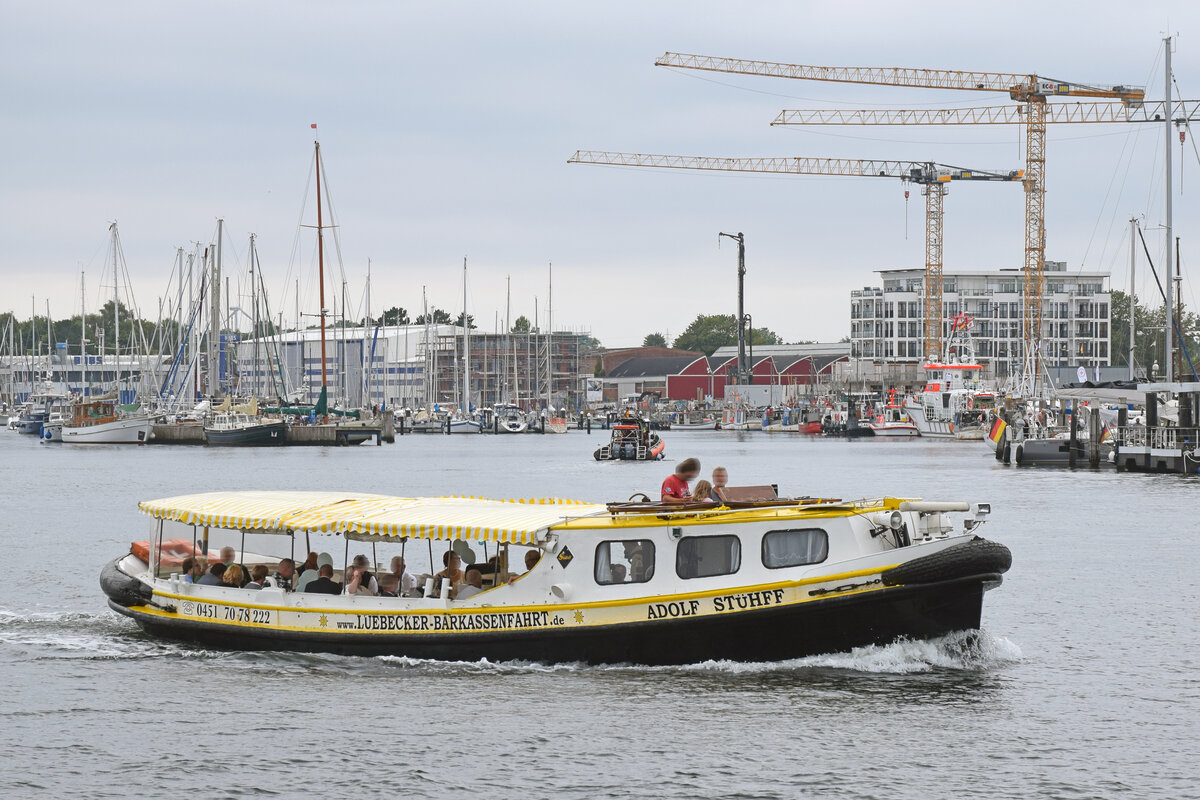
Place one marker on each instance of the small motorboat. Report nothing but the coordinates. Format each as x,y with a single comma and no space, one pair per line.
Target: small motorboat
892,420
632,440
641,583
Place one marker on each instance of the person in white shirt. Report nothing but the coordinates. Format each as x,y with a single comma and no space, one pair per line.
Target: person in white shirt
405,581
472,587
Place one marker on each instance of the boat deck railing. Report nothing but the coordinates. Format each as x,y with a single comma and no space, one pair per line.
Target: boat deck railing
1159,437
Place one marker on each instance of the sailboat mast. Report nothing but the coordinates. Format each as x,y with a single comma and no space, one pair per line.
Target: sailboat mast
254,316
550,336
116,305
321,263
82,337
365,391
1133,299
466,391
1168,305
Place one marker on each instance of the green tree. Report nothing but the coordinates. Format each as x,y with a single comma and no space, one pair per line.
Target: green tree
436,317
711,331
1150,324
470,320
654,340
522,325
393,316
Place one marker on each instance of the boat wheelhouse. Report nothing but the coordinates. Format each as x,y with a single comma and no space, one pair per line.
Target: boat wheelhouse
616,583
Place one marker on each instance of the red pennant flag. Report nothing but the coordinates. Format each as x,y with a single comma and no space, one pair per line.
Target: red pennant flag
314,126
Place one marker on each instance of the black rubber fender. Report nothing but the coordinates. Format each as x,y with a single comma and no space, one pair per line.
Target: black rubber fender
121,587
976,557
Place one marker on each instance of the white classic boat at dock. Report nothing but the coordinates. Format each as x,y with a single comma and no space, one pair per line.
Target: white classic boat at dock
617,583
100,422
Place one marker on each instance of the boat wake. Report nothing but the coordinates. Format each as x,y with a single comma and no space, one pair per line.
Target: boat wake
104,636
37,636
964,650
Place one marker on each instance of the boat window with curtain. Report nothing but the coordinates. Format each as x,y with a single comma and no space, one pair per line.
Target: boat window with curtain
624,561
794,548
706,556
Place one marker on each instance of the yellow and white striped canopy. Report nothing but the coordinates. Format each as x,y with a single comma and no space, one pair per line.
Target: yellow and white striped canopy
374,517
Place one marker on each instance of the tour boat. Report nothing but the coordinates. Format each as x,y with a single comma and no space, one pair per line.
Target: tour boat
616,583
99,422
632,440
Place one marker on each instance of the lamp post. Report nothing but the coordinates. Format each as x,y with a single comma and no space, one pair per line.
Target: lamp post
743,367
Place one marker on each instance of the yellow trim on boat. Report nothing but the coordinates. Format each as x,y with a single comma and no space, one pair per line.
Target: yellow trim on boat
666,598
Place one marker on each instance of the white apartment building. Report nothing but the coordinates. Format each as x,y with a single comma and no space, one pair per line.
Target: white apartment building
886,323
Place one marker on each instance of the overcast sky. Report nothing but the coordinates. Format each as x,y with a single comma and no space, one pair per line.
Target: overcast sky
446,128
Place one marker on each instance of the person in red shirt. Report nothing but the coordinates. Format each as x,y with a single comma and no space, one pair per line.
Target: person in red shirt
675,487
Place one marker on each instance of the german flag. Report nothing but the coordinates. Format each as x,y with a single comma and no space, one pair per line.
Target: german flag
997,431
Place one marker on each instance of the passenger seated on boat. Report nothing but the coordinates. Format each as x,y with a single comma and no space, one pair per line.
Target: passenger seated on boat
191,570
360,581
616,573
258,575
310,563
675,487
213,576
453,573
703,492
400,581
282,579
639,570
310,575
473,586
324,582
227,555
720,480
233,576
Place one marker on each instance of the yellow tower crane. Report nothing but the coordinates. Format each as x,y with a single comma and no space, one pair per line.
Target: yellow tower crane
932,177
1031,91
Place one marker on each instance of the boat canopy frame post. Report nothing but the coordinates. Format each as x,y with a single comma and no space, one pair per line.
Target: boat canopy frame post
345,561
194,542
242,548
156,556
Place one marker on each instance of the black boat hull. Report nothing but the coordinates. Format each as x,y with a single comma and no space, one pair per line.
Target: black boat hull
271,434
879,616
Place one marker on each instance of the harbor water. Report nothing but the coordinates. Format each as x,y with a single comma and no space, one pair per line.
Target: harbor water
1084,682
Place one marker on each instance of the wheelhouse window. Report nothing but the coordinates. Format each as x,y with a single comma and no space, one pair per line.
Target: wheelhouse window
624,561
706,556
794,548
